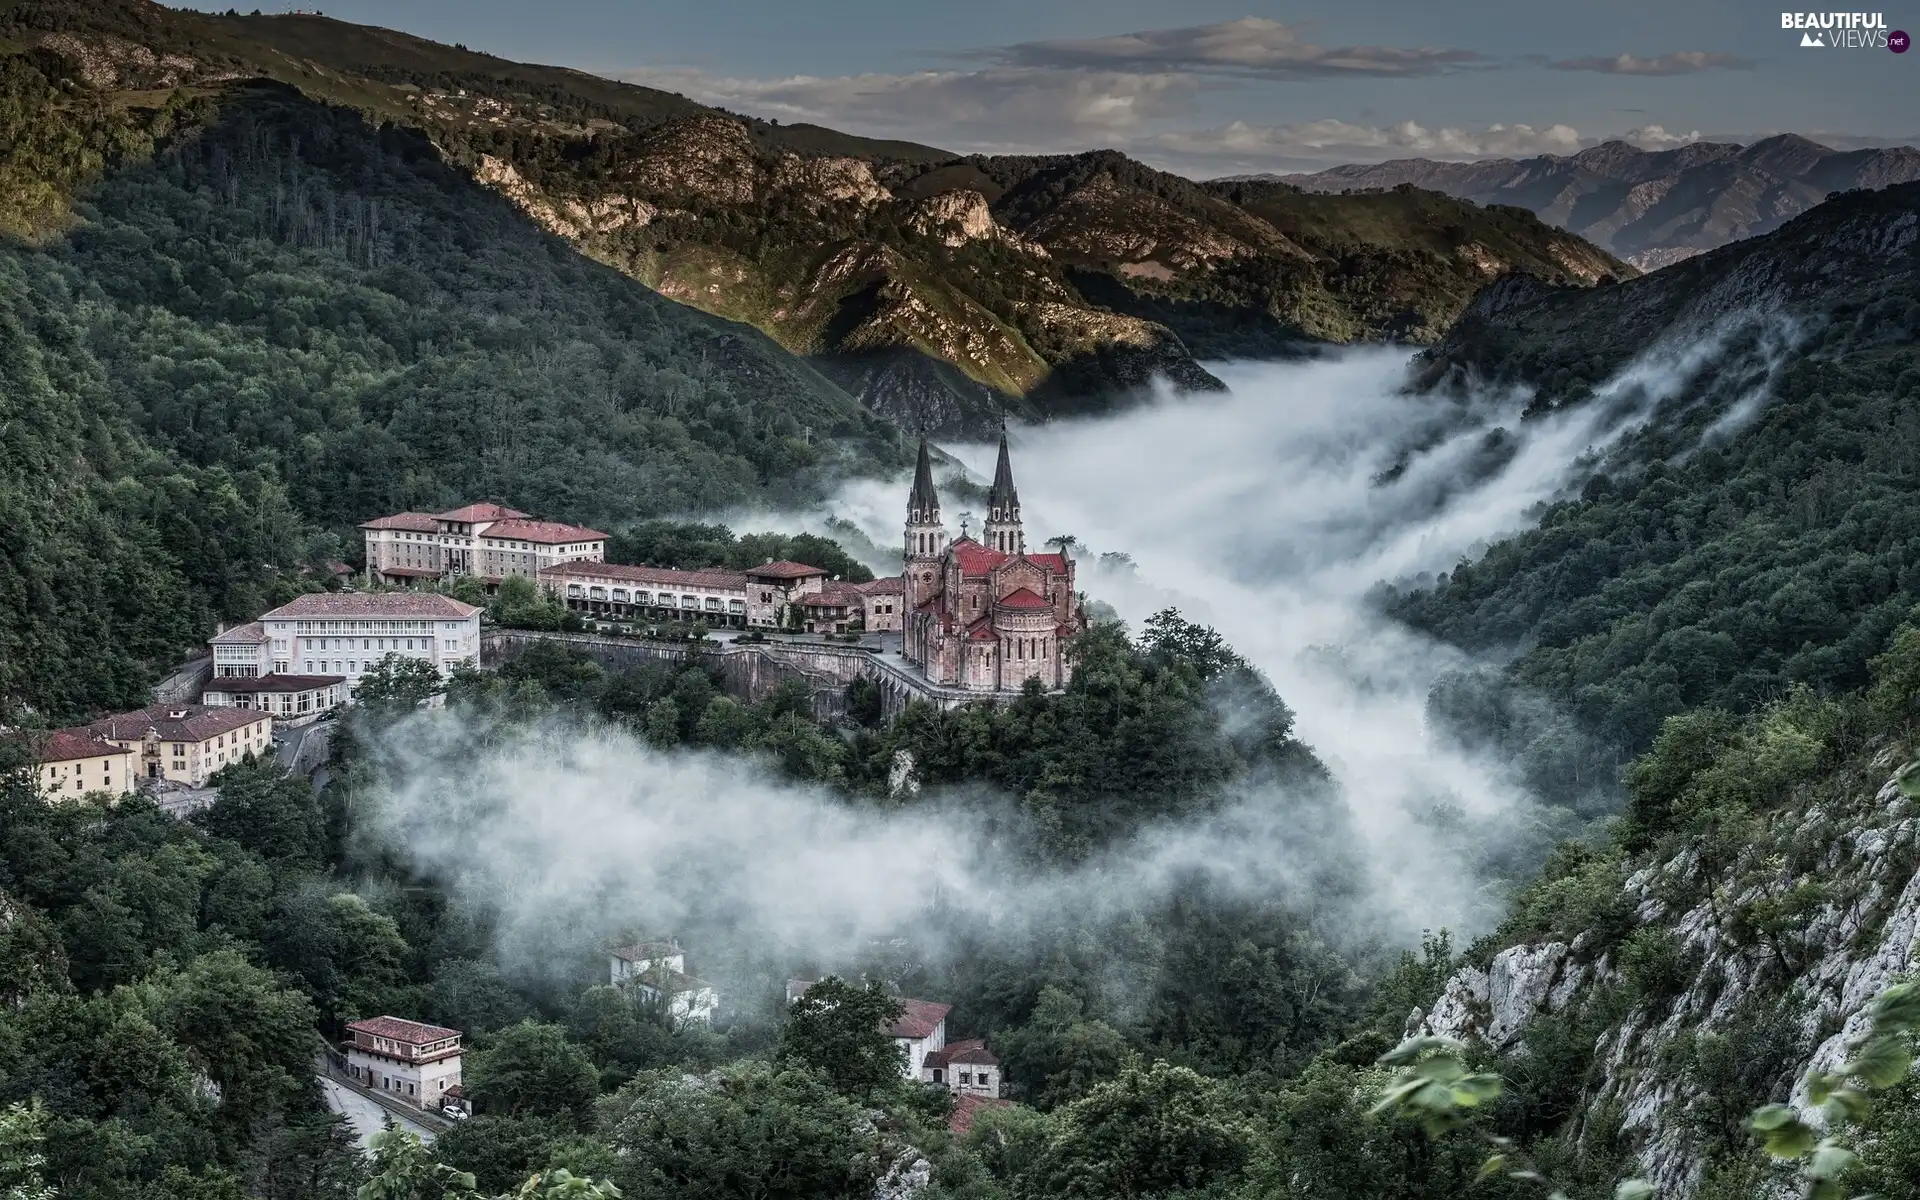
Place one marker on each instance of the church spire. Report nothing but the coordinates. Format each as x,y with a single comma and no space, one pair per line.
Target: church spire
1002,531
926,536
923,505
1003,502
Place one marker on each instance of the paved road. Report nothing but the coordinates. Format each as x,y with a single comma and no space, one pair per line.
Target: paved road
306,745
366,1117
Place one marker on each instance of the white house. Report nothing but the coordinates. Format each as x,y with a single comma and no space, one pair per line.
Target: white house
659,969
967,1068
920,1029
414,1062
307,656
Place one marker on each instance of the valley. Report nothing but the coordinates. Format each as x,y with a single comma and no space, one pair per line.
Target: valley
1437,713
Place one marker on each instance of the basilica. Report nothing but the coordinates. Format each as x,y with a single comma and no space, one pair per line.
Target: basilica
985,615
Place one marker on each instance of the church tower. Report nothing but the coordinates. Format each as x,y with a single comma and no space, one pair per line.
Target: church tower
926,536
1002,531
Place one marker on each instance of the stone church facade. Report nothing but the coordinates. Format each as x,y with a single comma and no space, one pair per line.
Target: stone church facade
984,615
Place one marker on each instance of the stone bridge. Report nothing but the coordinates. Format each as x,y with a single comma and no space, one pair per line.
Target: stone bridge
751,670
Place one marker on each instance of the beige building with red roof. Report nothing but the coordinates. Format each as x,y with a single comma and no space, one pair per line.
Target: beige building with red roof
74,762
986,615
488,541
186,743
409,1060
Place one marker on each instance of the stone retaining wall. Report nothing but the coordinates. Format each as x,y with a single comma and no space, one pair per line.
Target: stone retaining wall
751,670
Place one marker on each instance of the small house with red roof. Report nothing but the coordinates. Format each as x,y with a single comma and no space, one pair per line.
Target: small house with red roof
984,615
409,1060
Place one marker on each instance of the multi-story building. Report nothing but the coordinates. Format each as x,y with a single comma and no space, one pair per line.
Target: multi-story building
313,650
187,743
657,972
487,541
984,615
74,762
773,588
415,1062
717,597
835,607
883,602
758,597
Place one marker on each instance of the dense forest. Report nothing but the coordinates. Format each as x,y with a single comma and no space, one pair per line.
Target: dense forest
1760,534
268,325
172,980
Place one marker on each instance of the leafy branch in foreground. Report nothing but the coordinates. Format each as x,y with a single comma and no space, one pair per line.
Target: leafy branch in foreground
1881,1059
1437,1089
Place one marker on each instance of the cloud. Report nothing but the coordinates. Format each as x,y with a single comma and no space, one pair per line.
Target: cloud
1342,138
1250,46
1311,145
995,107
1678,62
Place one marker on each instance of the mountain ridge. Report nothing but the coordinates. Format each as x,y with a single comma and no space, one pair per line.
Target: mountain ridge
946,291
1650,207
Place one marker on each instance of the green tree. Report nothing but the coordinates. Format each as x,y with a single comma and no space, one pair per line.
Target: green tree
749,1129
1154,1130
269,812
395,686
841,1031
1059,1055
532,1069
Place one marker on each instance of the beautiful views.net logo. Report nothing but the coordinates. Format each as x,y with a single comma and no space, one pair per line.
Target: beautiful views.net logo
1845,30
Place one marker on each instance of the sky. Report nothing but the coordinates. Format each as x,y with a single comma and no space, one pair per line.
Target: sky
1212,87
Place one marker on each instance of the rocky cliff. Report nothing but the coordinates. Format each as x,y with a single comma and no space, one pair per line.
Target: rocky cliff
1683,984
946,291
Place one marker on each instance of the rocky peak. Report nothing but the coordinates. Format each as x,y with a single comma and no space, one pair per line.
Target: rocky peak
706,156
827,181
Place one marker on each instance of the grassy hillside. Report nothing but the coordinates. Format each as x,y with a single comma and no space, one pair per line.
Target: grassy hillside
282,321
943,291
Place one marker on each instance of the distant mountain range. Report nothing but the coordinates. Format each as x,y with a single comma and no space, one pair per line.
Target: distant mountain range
1649,207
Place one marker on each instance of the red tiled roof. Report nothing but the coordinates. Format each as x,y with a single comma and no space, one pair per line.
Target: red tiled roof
1053,562
783,570
832,595
971,1050
175,722
891,585
236,685
919,1018
654,576
976,559
547,533
1023,598
982,630
252,633
469,514
411,522
967,1107
413,1033
69,745
373,604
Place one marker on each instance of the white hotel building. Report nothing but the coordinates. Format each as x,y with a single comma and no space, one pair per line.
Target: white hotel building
305,656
